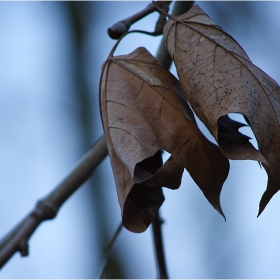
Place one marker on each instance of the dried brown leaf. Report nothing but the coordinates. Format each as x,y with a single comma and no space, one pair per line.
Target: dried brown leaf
219,78
144,110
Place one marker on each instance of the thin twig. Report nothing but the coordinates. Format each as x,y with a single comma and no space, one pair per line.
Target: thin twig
109,250
164,58
122,26
158,245
47,208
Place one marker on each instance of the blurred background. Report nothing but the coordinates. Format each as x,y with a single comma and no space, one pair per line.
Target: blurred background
50,60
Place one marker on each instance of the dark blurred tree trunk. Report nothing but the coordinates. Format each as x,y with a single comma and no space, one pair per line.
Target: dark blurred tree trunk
80,17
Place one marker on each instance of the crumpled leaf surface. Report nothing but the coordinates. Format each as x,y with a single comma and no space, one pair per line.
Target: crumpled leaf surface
144,110
218,78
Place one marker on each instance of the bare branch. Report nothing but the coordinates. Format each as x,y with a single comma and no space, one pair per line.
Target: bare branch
47,208
159,250
122,26
108,251
181,7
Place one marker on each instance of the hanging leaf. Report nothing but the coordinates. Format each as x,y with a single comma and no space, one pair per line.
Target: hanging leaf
144,110
218,78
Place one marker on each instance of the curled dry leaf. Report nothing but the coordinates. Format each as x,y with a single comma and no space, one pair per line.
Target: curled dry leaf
144,110
219,78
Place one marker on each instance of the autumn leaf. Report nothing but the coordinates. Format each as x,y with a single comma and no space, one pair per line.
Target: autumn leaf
218,78
144,110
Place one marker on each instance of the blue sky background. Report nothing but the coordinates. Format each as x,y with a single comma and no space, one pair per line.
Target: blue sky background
42,140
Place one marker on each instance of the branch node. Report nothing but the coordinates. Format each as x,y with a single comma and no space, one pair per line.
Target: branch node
47,208
23,249
43,211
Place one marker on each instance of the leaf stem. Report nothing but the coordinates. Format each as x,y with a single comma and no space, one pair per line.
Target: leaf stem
127,33
162,11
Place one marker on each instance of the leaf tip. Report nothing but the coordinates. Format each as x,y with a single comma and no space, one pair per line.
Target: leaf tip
264,201
260,211
216,204
218,207
221,212
262,206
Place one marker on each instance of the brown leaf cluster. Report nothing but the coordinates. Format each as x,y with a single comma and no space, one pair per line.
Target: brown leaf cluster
145,110
218,78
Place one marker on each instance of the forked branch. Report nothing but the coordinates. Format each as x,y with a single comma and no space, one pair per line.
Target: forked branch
122,26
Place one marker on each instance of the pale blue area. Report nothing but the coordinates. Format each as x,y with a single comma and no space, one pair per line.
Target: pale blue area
40,144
